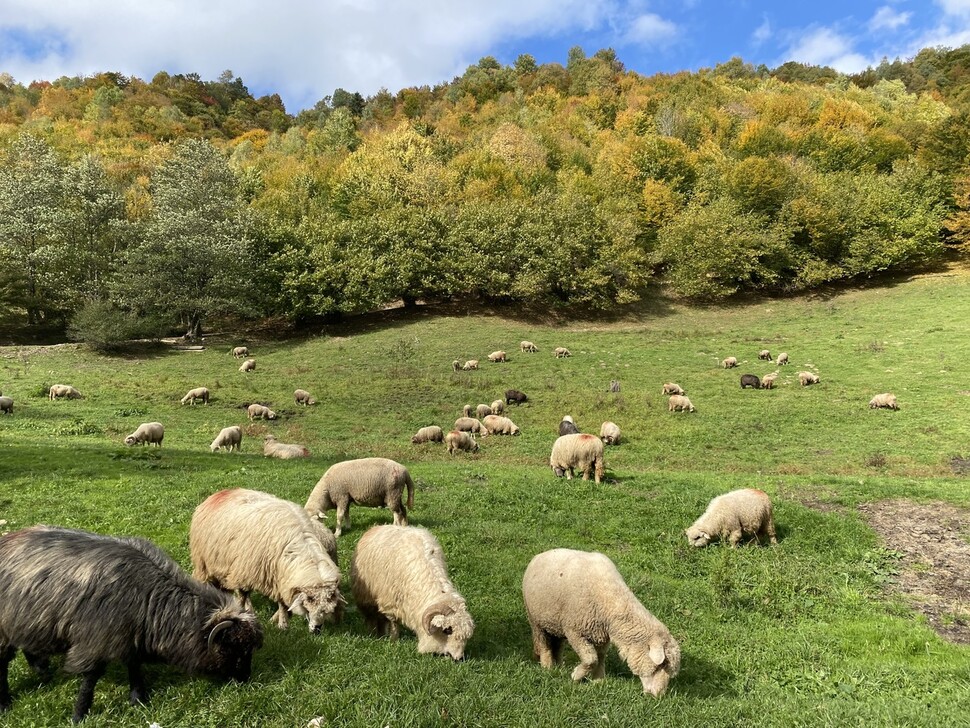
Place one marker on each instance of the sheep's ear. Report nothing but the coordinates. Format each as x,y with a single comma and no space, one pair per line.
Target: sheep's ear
657,655
297,606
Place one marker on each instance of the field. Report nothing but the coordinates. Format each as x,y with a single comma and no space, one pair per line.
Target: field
803,633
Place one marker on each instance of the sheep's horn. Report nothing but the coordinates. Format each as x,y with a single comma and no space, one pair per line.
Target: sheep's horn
223,625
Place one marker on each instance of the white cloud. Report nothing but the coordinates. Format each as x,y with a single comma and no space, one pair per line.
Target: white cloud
650,28
955,7
888,19
826,47
762,33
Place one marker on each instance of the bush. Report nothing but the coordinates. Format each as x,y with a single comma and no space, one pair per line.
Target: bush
105,327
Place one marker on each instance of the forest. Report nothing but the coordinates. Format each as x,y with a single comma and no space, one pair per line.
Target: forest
132,208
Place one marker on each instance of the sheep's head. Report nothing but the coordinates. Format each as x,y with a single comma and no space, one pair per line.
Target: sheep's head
560,472
515,430
448,626
230,642
130,440
656,662
474,445
319,604
697,537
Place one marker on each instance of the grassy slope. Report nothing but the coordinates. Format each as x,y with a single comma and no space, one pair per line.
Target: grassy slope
795,635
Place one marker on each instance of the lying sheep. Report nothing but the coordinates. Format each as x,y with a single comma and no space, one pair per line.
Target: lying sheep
368,482
562,352
470,364
457,440
398,576
301,396
229,438
679,402
283,450
148,433
782,359
194,394
610,433
731,516
482,411
6,405
468,424
580,596
258,411
514,396
248,366
456,365
567,426
498,406
807,378
750,380
886,400
498,425
240,351
63,390
671,388
577,452
730,362
528,346
432,433
768,380
764,355
497,356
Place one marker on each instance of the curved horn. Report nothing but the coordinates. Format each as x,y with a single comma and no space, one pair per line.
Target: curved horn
223,625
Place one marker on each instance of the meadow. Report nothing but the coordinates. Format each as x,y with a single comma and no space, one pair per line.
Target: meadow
803,633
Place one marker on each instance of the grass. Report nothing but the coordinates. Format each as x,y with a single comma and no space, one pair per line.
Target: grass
799,634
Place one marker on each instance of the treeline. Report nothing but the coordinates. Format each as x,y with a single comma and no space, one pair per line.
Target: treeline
129,207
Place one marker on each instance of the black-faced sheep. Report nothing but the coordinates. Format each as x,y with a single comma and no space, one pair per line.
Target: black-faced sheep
497,356
240,351
567,426
470,365
764,355
730,516
250,541
528,347
63,390
768,380
198,393
580,597
229,438
103,599
248,366
431,433
261,412
468,424
482,411
283,450
148,433
750,380
679,402
782,359
514,396
398,576
498,406
561,352
730,362
371,482
807,378
457,440
301,396
498,425
577,452
6,405
610,433
885,400
672,388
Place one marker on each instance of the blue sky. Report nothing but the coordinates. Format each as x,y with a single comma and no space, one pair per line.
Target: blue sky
304,49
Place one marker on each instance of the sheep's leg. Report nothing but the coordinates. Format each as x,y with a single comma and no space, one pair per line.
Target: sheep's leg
393,632
735,537
137,690
545,646
85,695
569,473
245,603
343,514
282,618
588,656
6,655
768,529
373,619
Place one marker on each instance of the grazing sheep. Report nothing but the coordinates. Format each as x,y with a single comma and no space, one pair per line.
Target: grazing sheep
482,411
614,386
248,366
456,365
470,364
457,440
194,394
398,576
807,378
731,516
764,355
528,346
497,356
679,402
768,380
104,599
562,352
610,433
468,424
672,388
249,541
240,351
580,596
367,482
750,380
258,411
782,359
498,406
467,411
730,362
148,433
6,405
514,396
63,390
229,438
432,433
498,425
886,400
577,452
567,426
283,450
301,396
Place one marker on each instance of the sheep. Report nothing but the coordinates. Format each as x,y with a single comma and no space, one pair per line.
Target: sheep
456,365
239,352
528,347
768,380
148,433
63,390
750,380
610,433
6,405
497,356
514,396
301,396
567,426
886,400
366,482
229,438
764,355
807,378
679,402
577,452
470,365
248,366
498,406
581,597
283,450
398,576
782,359
457,440
468,424
103,599
732,515
249,541
482,411
561,352
258,411
498,425
467,411
432,433
672,388
614,386
730,362
194,394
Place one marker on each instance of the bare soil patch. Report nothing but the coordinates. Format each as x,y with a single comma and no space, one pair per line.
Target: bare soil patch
934,540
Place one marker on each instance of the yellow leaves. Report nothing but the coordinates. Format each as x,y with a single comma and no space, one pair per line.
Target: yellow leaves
838,114
514,146
660,203
138,198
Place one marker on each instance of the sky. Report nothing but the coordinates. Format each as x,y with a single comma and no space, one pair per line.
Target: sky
304,49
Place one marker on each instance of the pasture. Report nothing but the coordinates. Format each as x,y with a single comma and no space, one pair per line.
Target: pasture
804,633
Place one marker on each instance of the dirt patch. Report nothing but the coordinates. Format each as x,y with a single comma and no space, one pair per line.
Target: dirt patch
934,540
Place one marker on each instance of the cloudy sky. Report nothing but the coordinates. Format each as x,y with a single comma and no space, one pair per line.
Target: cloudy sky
304,49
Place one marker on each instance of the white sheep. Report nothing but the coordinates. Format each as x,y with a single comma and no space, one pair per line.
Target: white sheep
63,390
768,380
610,433
561,352
398,576
498,425
482,411
6,405
764,355
498,406
248,366
301,396
732,515
470,364
194,394
886,400
679,402
367,482
807,378
258,411
577,452
432,433
782,359
229,438
528,347
148,433
457,440
730,362
672,388
580,597
283,450
497,356
250,541
468,424
240,351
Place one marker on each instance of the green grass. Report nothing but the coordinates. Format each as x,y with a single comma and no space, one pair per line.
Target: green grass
799,634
